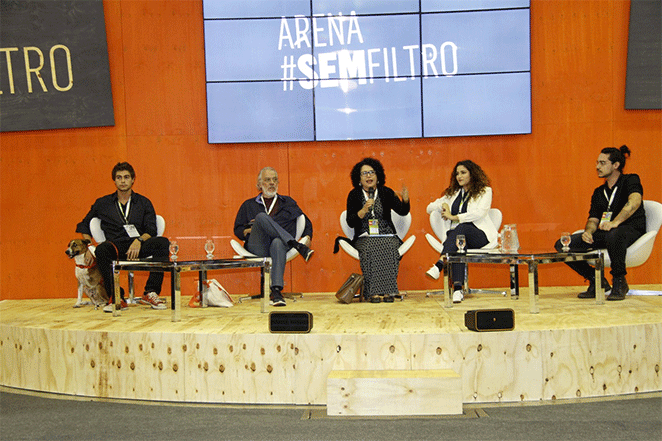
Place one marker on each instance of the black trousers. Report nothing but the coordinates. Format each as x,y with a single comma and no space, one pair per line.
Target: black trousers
475,238
107,252
616,241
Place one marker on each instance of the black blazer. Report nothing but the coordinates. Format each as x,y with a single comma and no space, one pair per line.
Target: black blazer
390,201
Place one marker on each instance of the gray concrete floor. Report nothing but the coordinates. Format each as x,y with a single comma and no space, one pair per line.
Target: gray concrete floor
36,416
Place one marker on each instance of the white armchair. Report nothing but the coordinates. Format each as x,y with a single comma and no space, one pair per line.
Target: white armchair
639,252
99,236
437,241
401,223
440,234
243,253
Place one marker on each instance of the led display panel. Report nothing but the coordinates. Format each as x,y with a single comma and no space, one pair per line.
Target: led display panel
316,70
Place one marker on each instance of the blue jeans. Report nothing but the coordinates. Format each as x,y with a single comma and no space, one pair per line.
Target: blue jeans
268,239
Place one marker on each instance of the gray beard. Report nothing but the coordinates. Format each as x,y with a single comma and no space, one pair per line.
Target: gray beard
269,195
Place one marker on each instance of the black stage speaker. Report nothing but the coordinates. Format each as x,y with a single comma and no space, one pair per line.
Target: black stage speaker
290,322
490,320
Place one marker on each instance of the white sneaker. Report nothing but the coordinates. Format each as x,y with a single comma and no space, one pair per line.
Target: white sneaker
433,272
109,307
458,296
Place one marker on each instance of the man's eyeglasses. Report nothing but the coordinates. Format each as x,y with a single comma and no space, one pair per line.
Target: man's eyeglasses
367,173
268,180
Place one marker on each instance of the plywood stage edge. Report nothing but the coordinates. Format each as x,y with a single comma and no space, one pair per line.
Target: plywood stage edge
572,348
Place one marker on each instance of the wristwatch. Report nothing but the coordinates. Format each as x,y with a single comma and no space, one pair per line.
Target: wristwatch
140,239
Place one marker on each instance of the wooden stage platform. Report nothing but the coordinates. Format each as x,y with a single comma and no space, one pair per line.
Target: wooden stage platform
572,348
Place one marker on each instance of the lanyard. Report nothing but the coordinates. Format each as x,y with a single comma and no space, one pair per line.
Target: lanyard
610,199
459,202
125,215
465,198
273,204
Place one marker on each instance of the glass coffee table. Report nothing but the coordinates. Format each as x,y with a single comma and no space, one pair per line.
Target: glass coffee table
532,260
175,268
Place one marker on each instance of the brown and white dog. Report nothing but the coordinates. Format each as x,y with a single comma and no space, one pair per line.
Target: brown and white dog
89,278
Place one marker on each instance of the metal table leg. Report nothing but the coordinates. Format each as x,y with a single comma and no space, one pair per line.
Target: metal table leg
448,280
132,293
599,274
514,282
533,288
116,293
266,284
202,282
176,294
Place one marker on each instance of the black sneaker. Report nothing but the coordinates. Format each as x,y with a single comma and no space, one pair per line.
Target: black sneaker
375,299
276,298
389,299
305,252
620,289
590,292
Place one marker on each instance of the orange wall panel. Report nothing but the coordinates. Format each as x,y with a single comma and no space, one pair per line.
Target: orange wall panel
163,49
542,181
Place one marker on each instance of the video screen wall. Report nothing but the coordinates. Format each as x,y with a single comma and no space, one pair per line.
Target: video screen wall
317,70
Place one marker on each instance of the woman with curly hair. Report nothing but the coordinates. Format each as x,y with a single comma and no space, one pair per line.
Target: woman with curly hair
464,206
369,207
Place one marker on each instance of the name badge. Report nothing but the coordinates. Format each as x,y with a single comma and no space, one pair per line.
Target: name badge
373,226
131,230
606,217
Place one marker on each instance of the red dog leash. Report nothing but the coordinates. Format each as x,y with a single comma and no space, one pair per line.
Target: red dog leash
94,262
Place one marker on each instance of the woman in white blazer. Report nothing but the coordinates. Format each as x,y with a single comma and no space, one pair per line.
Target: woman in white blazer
464,206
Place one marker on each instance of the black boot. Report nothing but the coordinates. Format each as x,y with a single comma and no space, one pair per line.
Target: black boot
305,252
620,289
590,292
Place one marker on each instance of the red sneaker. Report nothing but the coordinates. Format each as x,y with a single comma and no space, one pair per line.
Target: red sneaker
152,299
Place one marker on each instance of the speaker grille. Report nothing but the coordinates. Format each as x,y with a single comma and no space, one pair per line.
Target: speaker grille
290,322
490,320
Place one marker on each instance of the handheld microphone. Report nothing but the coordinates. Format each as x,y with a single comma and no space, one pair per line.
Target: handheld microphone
371,195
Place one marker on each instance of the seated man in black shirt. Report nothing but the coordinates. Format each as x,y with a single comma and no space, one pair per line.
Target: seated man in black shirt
267,225
128,221
616,220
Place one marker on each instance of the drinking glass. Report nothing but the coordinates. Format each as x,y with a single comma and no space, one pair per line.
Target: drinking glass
209,248
174,249
461,242
565,241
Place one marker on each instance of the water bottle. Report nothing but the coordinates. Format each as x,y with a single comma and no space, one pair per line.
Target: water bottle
514,246
509,239
505,239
